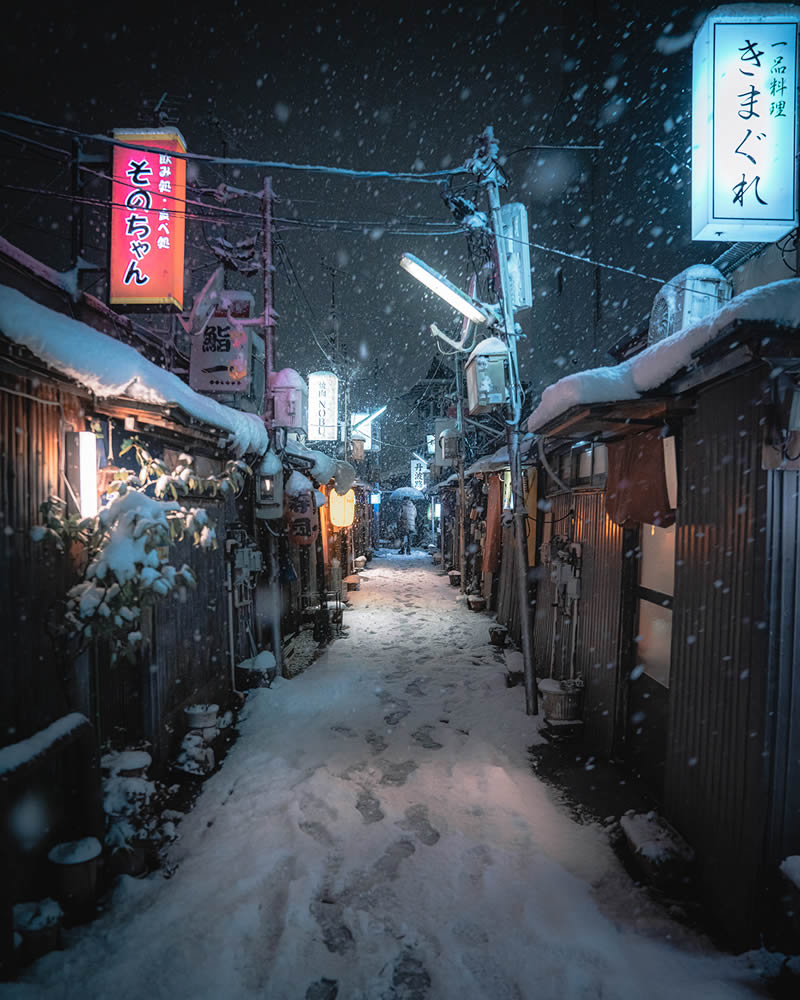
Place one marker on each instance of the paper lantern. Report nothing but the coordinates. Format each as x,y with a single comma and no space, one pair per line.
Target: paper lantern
342,508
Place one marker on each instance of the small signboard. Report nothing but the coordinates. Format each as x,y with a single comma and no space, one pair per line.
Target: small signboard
745,124
323,411
419,474
221,354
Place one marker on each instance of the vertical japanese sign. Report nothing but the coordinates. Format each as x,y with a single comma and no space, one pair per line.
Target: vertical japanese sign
419,474
745,125
302,517
148,197
323,406
221,355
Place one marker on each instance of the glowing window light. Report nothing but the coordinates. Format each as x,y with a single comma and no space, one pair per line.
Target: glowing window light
342,507
87,471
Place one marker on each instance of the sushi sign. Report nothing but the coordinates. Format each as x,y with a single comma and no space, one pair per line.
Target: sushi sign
148,196
745,124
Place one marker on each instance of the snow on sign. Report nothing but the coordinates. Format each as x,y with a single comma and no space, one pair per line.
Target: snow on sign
221,353
745,124
148,197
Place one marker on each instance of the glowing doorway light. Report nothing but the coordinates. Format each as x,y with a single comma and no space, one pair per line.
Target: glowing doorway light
87,472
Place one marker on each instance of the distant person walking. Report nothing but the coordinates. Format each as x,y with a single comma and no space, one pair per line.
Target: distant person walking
407,523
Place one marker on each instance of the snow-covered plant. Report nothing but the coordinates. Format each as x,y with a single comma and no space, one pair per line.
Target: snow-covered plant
125,547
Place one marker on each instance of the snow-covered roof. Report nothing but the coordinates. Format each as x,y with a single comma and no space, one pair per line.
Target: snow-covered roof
778,302
109,368
489,463
323,467
67,281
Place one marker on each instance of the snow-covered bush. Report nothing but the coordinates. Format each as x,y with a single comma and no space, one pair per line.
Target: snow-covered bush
125,547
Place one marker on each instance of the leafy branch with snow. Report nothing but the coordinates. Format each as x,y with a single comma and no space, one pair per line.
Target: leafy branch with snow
125,548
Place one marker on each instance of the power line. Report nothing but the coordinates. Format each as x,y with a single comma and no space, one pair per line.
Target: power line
429,177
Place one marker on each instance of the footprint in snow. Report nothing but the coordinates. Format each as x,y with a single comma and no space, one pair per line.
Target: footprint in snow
417,822
392,718
397,774
424,738
345,731
323,989
369,807
376,742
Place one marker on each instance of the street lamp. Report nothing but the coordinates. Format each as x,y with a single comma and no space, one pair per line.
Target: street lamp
475,311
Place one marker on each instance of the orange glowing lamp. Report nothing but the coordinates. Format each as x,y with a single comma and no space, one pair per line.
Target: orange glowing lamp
148,214
342,507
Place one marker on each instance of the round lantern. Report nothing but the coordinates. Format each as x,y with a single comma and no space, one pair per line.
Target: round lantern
342,507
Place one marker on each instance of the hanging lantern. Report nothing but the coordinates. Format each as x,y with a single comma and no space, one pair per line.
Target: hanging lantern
342,508
301,510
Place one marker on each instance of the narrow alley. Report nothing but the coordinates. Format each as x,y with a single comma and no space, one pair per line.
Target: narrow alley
376,833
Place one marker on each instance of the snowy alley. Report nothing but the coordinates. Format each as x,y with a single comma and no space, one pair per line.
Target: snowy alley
376,832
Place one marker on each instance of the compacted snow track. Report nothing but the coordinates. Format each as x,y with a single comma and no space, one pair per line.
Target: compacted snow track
376,833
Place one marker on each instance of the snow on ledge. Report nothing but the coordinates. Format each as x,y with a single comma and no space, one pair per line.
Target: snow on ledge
109,368
778,302
18,754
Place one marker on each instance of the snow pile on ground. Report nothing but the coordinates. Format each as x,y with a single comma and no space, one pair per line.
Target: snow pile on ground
778,301
376,833
110,368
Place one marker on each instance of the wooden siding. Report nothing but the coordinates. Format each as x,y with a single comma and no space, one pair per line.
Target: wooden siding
598,636
33,576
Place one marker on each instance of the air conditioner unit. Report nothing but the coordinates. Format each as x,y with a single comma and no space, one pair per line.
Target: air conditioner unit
689,297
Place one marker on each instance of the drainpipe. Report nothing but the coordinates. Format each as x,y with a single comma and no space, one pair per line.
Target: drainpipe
231,643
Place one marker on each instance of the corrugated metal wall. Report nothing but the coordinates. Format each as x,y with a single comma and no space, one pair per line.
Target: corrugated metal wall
598,625
783,546
714,787
597,639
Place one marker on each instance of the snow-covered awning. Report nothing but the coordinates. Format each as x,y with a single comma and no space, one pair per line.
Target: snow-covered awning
110,369
778,302
321,466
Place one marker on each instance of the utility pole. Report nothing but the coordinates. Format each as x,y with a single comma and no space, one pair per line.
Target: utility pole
485,165
462,561
268,273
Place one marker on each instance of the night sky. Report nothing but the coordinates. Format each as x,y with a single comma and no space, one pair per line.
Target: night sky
400,89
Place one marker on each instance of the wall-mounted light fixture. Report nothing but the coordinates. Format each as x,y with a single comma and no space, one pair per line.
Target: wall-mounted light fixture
87,473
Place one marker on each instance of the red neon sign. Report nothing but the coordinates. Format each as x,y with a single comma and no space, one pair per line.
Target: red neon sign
148,197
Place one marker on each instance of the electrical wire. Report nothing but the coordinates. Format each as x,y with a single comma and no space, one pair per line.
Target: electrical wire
429,177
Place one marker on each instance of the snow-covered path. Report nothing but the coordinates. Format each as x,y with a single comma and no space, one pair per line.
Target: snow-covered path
377,826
